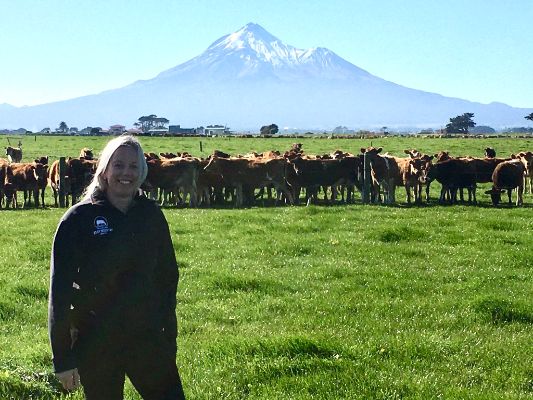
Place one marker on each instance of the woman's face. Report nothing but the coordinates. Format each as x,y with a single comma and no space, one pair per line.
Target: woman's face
122,173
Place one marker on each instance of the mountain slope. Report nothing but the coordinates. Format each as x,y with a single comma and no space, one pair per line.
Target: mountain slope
249,78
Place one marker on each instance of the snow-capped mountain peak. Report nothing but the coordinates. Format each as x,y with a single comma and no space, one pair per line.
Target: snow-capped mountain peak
253,52
254,41
249,78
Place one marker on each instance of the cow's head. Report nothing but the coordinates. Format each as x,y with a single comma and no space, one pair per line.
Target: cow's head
371,151
40,172
213,165
416,167
490,152
495,195
297,146
42,160
413,153
86,153
442,156
526,158
220,154
10,192
297,164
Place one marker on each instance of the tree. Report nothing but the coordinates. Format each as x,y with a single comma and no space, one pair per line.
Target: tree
461,123
482,129
148,122
271,129
63,127
530,117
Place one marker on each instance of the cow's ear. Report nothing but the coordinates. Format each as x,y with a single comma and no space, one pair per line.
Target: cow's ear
521,154
431,158
378,150
363,150
407,152
513,155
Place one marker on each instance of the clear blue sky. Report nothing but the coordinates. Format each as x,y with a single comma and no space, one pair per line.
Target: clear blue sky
480,50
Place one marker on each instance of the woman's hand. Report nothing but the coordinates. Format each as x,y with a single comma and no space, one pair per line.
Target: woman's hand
69,379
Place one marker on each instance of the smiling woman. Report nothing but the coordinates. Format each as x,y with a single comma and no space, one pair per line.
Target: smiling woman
122,177
113,286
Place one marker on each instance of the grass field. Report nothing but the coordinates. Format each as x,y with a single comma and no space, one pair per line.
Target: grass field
337,302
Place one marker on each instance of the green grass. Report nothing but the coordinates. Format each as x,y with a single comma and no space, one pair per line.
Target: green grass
352,302
56,147
343,302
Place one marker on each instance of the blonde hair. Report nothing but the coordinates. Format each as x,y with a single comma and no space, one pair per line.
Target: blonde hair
98,182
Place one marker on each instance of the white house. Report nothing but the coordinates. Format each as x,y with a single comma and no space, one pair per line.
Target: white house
216,130
117,129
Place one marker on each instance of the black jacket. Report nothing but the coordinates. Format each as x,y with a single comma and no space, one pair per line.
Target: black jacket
112,274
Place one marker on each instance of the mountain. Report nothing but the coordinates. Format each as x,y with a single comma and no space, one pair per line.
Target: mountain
251,78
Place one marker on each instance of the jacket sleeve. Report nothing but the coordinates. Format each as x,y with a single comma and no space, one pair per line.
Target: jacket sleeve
168,276
62,273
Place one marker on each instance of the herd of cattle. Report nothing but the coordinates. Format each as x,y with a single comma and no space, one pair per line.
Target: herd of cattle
181,178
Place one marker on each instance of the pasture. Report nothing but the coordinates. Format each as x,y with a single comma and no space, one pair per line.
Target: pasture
320,302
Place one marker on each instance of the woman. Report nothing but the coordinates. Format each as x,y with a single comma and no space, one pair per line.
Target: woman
113,286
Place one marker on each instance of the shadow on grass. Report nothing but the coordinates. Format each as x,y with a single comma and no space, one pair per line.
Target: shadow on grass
231,284
397,234
7,311
33,292
498,311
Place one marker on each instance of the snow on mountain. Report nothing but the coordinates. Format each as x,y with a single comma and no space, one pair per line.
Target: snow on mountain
250,78
252,52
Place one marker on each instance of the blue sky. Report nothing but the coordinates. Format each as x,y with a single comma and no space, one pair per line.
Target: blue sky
479,50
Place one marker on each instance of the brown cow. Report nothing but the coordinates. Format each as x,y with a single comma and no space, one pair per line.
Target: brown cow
453,174
43,182
8,189
313,173
409,174
527,159
508,175
77,176
427,162
245,174
476,170
383,174
27,177
4,165
172,175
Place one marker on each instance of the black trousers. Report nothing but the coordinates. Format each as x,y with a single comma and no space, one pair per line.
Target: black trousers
149,361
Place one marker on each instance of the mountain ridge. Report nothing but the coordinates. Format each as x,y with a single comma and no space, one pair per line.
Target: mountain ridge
250,77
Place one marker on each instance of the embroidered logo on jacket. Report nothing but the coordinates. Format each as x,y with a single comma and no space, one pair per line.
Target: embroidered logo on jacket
102,228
